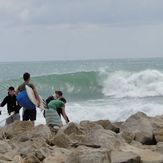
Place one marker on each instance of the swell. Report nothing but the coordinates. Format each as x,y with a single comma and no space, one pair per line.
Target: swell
76,86
93,85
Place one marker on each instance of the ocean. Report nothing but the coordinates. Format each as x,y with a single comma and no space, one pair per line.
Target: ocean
110,89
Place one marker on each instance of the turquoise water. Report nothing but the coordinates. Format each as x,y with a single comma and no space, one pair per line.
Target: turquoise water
97,89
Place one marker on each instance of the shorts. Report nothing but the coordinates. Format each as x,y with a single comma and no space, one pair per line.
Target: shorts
29,114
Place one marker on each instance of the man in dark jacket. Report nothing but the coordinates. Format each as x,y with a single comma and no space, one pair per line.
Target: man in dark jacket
12,106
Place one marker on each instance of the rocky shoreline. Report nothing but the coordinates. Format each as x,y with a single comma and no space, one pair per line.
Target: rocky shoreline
139,139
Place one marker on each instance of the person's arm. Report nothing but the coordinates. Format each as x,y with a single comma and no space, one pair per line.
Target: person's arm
64,114
50,98
18,106
17,91
4,102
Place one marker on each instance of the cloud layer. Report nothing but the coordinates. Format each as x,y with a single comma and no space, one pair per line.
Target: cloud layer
54,12
80,29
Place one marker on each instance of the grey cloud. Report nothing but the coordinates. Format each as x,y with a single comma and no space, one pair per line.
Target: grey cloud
53,12
80,29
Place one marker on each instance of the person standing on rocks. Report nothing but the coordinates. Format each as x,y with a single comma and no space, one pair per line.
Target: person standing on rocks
12,106
29,113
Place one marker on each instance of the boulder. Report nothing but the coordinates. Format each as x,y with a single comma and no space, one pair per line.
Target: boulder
159,147
39,132
146,155
89,155
139,124
57,155
27,147
56,159
72,128
39,154
118,124
106,124
4,147
124,157
159,135
82,123
60,140
128,136
77,138
31,159
15,129
95,134
4,159
88,126
104,138
35,156
157,122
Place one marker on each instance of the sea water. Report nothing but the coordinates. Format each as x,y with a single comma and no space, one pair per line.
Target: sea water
110,89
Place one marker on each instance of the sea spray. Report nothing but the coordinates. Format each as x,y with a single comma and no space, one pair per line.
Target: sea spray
122,84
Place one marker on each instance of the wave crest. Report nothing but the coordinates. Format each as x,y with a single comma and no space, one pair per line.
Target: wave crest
122,84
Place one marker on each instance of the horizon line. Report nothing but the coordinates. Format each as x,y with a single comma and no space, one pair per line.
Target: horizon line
89,59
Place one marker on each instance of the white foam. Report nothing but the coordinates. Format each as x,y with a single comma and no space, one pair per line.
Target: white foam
4,116
112,109
70,88
129,84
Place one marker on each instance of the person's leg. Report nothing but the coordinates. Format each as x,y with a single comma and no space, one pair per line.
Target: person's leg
9,112
66,116
67,119
32,115
59,111
44,113
25,114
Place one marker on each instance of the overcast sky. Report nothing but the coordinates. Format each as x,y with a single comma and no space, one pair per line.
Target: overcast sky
80,29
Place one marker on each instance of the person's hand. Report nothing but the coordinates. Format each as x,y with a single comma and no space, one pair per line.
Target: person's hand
38,103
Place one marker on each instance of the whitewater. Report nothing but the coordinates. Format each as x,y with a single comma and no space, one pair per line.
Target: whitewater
97,89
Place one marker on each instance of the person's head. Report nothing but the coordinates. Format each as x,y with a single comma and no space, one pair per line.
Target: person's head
26,77
11,91
58,94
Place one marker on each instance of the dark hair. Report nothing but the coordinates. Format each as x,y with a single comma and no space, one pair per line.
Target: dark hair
59,93
63,99
11,88
26,76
